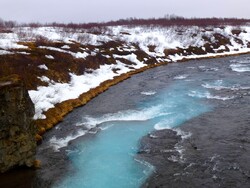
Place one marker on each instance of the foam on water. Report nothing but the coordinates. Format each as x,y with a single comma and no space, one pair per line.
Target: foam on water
217,85
206,69
58,143
107,160
104,127
220,85
208,95
184,135
241,66
148,93
127,115
181,77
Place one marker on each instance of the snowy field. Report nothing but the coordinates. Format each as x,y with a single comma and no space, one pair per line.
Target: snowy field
131,39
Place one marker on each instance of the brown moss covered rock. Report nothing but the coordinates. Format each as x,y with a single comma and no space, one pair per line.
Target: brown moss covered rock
17,130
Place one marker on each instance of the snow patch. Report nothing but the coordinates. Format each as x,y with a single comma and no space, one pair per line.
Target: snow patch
24,53
81,55
76,55
43,66
65,47
44,79
49,56
5,52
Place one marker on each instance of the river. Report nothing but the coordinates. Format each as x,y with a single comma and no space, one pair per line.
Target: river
121,137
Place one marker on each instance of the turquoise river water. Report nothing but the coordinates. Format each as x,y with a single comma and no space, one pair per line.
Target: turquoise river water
107,160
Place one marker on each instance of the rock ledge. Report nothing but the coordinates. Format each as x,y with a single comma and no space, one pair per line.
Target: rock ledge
17,129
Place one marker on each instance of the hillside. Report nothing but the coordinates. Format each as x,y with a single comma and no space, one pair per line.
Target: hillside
64,67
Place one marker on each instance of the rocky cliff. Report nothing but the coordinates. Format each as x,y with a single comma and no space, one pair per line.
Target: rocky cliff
17,130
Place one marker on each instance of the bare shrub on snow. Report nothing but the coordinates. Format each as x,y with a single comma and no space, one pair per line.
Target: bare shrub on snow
41,40
26,34
84,38
23,36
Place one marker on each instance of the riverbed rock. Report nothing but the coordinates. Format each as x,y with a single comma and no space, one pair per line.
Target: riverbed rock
17,128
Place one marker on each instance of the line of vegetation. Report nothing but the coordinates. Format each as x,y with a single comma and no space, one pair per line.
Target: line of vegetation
167,21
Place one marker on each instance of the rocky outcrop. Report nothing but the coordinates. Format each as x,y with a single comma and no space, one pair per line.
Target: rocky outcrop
17,130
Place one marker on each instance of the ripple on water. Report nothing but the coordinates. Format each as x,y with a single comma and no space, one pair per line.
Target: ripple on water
241,66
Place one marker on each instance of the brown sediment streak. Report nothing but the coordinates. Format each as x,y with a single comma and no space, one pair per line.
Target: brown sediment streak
56,114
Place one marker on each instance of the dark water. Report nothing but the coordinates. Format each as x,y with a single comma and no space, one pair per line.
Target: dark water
216,151
208,98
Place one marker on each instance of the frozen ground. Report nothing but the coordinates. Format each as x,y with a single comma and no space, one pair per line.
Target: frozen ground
154,41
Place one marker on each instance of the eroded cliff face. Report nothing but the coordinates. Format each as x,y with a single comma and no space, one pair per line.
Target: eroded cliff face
17,129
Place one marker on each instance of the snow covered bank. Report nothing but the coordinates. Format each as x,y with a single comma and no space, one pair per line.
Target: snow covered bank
113,52
45,97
